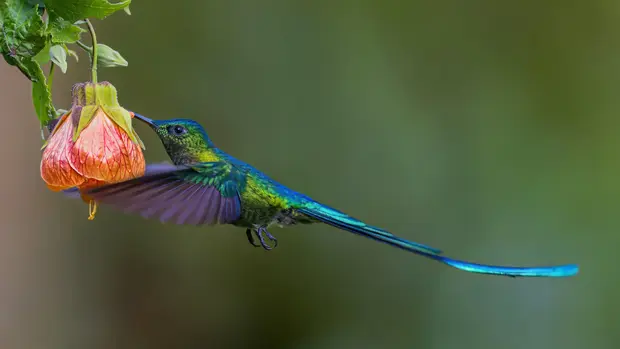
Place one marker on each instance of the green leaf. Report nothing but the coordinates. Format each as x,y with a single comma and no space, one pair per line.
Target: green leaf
86,115
74,10
44,55
58,55
73,54
36,2
127,11
22,35
123,119
62,31
29,68
42,98
107,57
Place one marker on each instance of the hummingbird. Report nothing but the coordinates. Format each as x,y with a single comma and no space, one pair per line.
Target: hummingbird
207,186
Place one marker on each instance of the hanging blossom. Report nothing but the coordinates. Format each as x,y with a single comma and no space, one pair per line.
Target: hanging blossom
93,144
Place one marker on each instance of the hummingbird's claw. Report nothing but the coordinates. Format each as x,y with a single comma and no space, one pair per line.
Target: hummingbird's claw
271,238
261,233
248,233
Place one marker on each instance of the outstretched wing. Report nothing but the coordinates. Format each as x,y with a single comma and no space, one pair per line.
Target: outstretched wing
205,193
151,169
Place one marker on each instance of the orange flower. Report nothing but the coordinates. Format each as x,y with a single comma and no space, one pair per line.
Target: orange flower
93,144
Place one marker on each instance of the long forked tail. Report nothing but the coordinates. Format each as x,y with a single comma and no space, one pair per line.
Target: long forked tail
342,221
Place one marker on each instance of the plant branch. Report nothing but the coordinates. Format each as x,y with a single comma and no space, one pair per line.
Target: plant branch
94,40
50,80
83,46
50,77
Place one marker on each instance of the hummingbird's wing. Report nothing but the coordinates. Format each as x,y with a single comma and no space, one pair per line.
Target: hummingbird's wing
205,193
74,192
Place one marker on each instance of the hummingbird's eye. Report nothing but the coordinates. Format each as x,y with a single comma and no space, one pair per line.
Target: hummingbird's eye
177,130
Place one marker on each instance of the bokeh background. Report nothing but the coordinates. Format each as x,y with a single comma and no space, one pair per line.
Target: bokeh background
488,129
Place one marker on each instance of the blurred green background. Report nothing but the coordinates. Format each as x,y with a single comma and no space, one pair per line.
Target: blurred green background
488,129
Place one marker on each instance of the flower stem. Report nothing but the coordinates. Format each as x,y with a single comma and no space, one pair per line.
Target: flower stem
83,46
50,80
93,36
50,77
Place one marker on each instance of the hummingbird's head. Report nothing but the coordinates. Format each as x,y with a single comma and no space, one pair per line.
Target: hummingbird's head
184,139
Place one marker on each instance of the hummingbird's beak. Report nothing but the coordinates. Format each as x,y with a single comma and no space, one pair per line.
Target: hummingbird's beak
145,120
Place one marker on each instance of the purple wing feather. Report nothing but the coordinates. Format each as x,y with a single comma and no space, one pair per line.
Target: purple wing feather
71,193
151,169
161,167
201,207
165,195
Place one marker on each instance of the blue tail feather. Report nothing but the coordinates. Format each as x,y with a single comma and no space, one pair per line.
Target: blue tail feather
548,271
342,221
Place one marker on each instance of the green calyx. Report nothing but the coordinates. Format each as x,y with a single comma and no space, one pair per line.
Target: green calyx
89,98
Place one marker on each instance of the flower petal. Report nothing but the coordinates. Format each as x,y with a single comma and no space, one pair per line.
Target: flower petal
105,152
89,184
56,169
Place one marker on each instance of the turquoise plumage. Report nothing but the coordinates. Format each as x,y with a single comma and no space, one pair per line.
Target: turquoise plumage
206,186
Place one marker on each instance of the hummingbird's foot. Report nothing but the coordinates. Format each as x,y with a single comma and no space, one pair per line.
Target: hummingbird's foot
248,233
92,209
261,233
